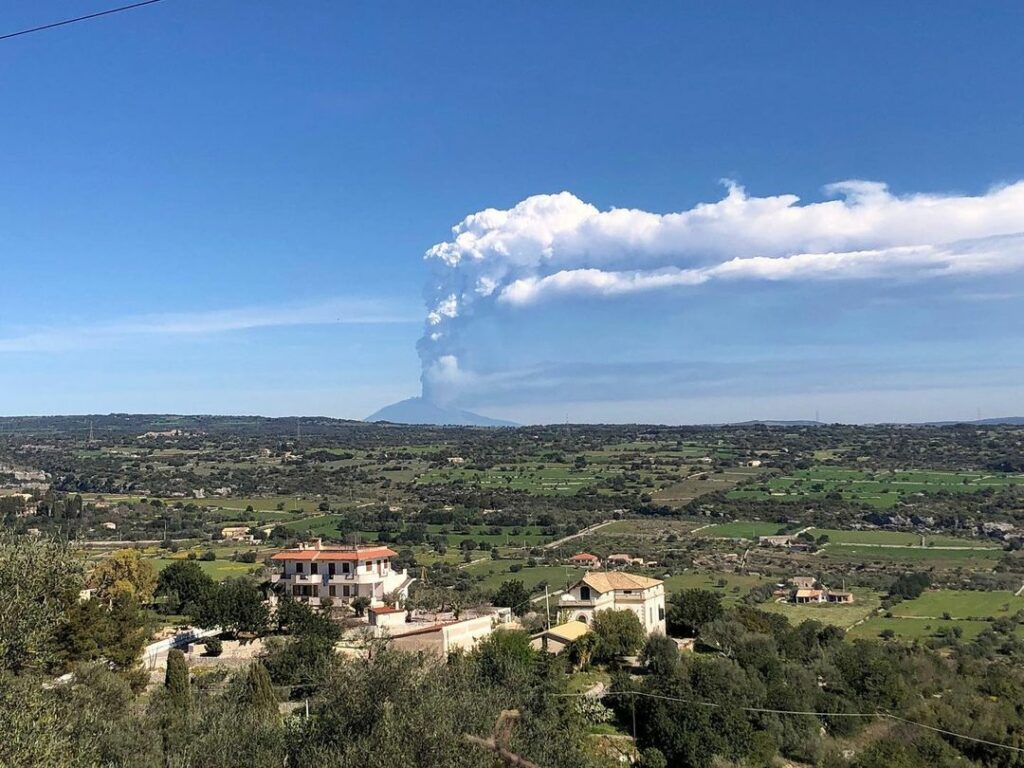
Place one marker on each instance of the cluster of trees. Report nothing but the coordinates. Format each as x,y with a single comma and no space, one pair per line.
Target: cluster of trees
236,605
733,704
744,701
385,710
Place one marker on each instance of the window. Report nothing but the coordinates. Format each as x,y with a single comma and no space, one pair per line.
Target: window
296,590
344,590
331,590
344,568
298,567
661,614
314,568
330,569
584,593
369,566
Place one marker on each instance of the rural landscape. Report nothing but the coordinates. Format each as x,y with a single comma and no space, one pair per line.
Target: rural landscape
887,560
511,385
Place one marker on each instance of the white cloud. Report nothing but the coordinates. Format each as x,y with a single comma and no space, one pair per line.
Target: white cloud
343,311
554,246
997,254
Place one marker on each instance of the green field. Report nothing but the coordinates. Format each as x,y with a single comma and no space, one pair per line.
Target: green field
326,526
984,558
741,529
542,479
915,629
492,573
666,471
264,503
320,525
883,488
216,569
735,585
960,605
689,488
896,538
839,615
653,527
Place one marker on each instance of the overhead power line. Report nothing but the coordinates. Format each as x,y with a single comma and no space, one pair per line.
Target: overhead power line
881,715
64,23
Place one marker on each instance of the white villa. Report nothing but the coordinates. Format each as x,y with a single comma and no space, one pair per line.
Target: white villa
602,591
314,572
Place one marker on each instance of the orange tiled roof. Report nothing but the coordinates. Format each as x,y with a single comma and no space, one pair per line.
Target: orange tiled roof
336,553
808,593
584,556
385,609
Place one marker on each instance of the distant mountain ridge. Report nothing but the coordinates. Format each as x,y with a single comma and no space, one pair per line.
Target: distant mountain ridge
416,410
1009,421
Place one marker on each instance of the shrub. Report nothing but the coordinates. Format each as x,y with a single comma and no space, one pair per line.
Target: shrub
214,646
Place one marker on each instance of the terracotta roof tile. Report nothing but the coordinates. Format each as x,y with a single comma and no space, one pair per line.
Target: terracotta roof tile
606,581
337,553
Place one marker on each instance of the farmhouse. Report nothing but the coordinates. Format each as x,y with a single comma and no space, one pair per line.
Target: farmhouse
602,591
623,560
236,532
312,573
806,590
804,596
585,560
786,540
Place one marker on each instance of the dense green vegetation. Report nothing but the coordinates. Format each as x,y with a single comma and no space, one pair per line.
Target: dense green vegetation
923,525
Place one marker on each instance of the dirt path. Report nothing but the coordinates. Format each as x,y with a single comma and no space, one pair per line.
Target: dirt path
584,532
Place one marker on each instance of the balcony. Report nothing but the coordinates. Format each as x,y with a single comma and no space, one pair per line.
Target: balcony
308,579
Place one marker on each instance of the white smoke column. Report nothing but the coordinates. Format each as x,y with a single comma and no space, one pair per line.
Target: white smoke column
557,246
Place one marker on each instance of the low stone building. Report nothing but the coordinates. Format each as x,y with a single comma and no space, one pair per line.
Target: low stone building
556,639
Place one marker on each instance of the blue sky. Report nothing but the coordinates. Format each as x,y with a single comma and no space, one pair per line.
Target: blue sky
218,206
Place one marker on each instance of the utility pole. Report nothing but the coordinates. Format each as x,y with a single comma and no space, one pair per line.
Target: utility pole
547,607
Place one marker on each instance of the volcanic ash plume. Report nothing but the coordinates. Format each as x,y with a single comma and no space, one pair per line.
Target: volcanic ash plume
555,247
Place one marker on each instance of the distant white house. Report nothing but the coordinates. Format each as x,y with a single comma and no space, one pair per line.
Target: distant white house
585,560
236,532
602,591
805,589
622,559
